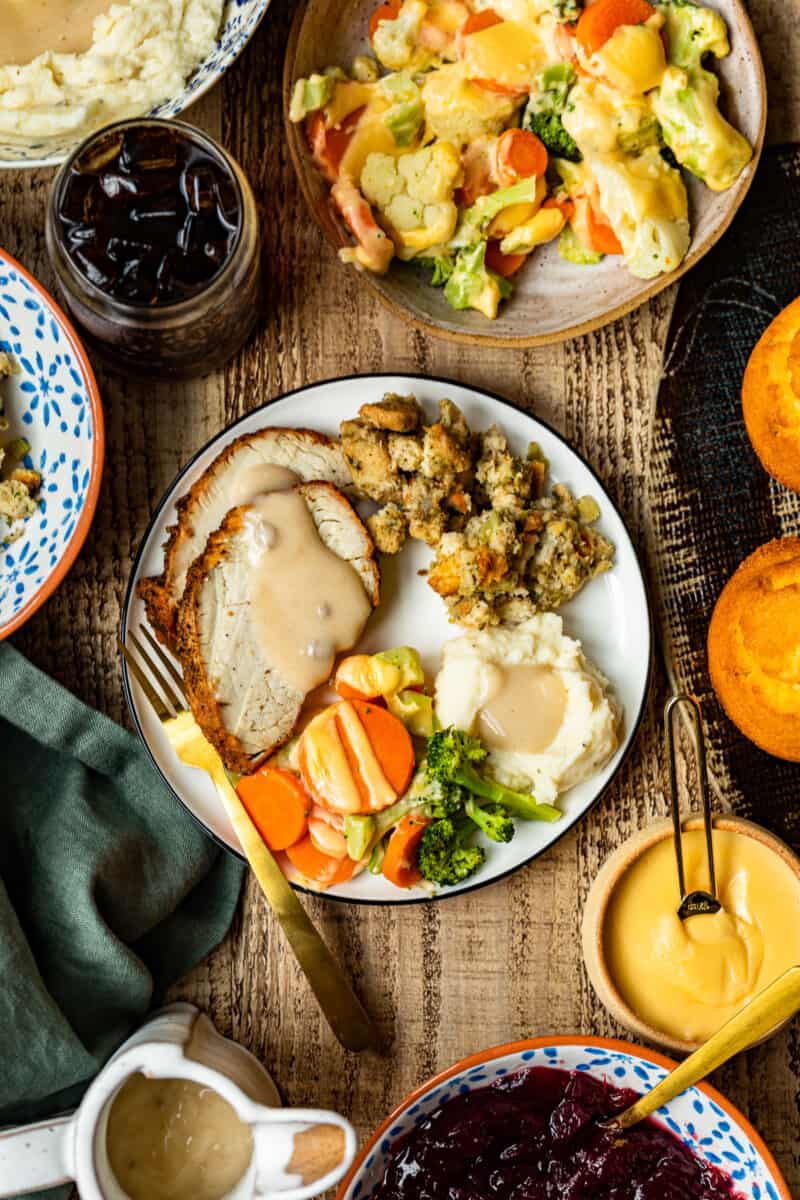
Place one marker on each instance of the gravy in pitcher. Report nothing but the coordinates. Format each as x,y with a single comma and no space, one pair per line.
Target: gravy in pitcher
172,1139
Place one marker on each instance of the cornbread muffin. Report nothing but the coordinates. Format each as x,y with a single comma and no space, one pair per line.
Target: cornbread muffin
754,648
771,397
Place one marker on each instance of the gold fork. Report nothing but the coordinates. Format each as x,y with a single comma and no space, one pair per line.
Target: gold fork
339,1003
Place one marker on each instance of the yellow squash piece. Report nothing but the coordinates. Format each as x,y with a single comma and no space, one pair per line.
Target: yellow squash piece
509,53
632,59
542,228
368,676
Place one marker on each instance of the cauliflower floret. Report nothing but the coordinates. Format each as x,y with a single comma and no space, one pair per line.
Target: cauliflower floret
458,111
396,43
696,131
432,173
646,204
414,195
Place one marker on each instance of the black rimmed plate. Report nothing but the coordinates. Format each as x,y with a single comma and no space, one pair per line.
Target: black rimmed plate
611,616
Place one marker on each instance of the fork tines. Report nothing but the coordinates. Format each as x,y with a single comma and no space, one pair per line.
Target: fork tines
166,700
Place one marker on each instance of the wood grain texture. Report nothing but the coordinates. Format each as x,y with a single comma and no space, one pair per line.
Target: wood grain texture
447,979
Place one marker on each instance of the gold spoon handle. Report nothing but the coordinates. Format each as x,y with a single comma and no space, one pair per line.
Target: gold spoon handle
758,1018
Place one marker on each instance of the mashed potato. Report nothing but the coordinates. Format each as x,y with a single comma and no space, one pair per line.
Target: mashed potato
544,711
143,52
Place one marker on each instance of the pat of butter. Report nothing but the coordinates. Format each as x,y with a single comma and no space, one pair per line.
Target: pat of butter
687,978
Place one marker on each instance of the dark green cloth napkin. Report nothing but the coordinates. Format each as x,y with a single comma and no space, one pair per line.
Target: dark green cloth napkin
109,891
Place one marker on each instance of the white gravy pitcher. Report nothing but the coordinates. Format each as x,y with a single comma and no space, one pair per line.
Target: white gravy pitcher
297,1153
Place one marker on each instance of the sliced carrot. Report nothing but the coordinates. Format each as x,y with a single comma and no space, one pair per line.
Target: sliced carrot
329,146
564,205
277,803
502,89
350,693
601,236
474,23
384,12
319,867
477,173
391,742
502,264
599,21
518,154
400,860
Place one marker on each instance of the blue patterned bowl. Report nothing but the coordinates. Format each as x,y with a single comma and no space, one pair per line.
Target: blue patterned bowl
701,1117
240,21
53,402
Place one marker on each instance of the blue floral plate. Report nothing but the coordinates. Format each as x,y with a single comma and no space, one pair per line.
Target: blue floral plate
239,23
711,1127
52,401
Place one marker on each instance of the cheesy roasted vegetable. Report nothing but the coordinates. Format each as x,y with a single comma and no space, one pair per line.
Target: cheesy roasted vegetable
479,130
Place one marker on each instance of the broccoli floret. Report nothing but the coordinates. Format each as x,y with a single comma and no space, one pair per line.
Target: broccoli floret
441,269
634,141
692,32
444,857
572,249
443,799
543,113
452,758
493,820
472,285
566,10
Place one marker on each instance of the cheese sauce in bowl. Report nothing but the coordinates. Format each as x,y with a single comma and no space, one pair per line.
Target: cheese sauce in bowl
677,982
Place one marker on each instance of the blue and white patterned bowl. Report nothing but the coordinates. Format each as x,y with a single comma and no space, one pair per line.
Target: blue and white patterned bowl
701,1117
53,402
239,23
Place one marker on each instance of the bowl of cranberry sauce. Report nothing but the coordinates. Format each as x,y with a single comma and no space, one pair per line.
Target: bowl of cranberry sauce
524,1122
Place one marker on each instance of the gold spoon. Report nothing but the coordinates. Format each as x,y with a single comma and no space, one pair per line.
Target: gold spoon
764,1012
693,903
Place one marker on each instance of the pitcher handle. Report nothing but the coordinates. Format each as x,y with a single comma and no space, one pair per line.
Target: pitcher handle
300,1154
33,1157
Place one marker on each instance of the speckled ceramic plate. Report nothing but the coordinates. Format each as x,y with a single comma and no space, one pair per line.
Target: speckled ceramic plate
53,402
610,616
553,299
702,1118
240,21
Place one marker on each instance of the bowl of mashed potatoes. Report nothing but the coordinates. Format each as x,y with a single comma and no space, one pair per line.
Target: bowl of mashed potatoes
68,67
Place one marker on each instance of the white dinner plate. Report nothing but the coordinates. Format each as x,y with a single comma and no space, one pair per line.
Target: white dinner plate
611,616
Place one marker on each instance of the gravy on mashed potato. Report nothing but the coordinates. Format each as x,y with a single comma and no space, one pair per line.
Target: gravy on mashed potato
29,28
68,67
544,712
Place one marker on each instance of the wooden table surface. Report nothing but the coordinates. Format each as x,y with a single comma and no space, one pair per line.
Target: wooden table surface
442,979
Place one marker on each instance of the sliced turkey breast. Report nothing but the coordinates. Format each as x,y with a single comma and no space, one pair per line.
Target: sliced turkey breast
235,476
241,693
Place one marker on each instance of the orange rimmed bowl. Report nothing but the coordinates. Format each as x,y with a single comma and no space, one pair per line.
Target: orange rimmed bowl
701,1117
52,401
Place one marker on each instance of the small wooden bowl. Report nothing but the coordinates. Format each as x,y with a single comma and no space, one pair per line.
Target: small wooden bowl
597,902
553,300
